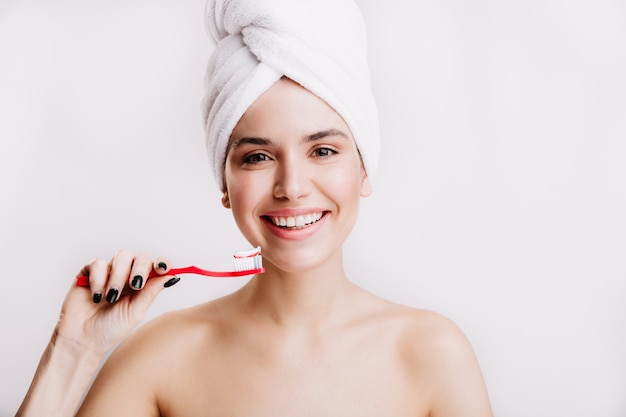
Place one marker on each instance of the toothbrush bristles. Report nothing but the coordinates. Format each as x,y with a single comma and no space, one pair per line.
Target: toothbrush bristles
246,264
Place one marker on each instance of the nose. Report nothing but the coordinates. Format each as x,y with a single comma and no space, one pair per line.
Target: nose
292,180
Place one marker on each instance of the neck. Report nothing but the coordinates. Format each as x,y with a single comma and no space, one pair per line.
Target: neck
305,299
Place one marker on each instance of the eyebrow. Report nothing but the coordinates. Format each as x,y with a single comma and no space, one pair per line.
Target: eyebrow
268,142
325,133
250,140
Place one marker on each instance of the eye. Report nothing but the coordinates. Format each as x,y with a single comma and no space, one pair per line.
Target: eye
255,158
324,152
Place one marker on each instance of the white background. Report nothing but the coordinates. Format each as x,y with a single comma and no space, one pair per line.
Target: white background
501,199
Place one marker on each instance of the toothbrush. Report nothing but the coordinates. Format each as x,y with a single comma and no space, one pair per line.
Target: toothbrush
246,262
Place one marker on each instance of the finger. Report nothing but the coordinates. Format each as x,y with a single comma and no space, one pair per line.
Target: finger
142,264
119,270
143,299
97,271
162,265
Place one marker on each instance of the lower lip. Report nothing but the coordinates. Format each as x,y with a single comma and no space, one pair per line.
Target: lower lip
295,233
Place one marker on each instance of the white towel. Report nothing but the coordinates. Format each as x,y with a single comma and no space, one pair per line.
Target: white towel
320,44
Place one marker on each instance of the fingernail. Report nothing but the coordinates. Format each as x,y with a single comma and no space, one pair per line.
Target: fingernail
171,282
97,297
162,265
112,295
137,281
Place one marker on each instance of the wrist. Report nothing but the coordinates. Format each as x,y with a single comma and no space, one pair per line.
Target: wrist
64,373
75,350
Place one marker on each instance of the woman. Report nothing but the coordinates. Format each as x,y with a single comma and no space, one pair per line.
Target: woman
291,129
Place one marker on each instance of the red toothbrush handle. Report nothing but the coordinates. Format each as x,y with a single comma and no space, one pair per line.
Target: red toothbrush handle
83,280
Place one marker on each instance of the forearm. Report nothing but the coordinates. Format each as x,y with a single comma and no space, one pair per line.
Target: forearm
62,377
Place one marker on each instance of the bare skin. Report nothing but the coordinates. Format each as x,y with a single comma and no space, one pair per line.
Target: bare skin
300,339
87,330
373,358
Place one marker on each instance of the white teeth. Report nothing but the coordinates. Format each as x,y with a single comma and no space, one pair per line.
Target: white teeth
297,221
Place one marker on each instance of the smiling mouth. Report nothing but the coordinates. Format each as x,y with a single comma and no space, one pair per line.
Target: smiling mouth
295,222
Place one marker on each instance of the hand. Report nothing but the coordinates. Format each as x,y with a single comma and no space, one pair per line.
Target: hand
119,294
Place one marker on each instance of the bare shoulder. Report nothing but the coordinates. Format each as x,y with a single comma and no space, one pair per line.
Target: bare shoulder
442,358
439,360
139,370
179,332
432,333
418,329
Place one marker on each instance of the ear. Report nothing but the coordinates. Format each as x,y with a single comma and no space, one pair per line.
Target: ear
366,187
225,200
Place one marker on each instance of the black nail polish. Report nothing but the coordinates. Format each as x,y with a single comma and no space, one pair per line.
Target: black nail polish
171,282
97,297
137,281
162,265
112,295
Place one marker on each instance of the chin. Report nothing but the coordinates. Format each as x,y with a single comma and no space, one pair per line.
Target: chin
300,260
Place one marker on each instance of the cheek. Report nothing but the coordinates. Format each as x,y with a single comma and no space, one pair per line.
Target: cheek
244,190
234,182
353,174
344,184
236,194
240,204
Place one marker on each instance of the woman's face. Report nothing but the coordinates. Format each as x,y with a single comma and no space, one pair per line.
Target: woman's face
294,178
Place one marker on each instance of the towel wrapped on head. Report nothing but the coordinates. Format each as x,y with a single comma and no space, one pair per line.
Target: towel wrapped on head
320,44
